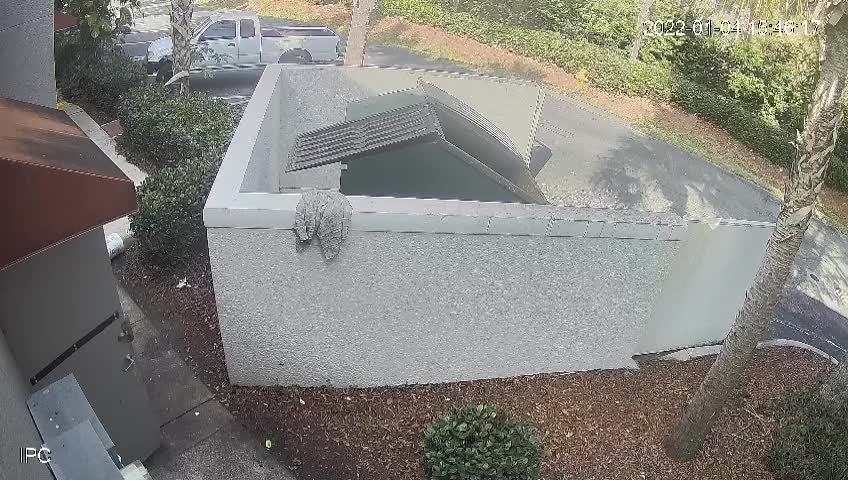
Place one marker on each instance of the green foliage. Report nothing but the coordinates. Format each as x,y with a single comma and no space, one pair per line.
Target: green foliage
99,73
164,129
609,22
71,58
106,80
811,440
773,77
604,22
775,143
98,19
169,223
704,81
478,443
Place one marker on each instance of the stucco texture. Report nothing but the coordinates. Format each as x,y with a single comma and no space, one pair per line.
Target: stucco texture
26,33
397,308
16,423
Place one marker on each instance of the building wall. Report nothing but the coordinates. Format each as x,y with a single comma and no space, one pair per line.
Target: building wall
26,34
68,287
396,308
16,425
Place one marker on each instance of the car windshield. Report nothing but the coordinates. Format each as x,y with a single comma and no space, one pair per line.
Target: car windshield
202,26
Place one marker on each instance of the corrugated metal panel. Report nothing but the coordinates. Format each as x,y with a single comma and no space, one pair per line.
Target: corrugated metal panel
349,140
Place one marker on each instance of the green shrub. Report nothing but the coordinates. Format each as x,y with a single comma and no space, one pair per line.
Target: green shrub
71,59
811,440
169,223
772,76
165,129
773,142
604,22
479,443
99,72
108,78
609,22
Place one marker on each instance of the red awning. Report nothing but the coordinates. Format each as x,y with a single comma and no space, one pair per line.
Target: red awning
55,183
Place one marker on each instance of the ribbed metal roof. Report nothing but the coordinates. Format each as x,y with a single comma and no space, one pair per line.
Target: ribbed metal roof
425,114
351,139
55,183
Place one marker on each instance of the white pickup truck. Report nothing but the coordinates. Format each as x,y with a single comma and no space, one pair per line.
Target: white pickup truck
236,40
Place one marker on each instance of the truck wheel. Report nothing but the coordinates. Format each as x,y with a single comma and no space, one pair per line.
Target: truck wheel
296,56
165,72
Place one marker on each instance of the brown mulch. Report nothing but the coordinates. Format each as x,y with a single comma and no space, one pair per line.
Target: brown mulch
95,113
594,425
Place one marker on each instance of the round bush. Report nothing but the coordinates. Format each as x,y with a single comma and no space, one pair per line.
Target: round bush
169,223
166,129
110,76
479,442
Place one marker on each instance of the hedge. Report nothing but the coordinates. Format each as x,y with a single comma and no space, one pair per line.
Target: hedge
165,129
102,76
610,70
169,223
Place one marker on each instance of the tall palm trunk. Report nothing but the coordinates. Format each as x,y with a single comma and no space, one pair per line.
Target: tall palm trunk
181,11
355,50
802,188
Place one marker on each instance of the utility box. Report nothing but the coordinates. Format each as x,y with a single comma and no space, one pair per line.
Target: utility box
59,307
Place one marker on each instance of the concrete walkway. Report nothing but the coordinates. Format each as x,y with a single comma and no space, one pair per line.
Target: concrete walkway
200,439
108,146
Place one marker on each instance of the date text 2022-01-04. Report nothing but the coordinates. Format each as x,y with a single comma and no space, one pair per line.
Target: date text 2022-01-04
709,27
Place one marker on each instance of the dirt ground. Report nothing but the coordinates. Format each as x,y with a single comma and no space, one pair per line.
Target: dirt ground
594,425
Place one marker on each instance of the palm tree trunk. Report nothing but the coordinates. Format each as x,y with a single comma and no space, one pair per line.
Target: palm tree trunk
181,11
355,50
802,188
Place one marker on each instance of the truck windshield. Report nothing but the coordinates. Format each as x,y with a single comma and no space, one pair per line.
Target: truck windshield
199,28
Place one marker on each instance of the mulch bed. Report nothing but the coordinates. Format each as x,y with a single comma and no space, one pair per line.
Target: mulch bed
594,425
95,113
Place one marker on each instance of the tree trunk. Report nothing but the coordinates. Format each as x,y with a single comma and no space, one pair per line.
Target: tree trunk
181,11
802,188
644,16
355,50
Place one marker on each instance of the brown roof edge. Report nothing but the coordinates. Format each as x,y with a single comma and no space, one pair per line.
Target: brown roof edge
55,183
63,21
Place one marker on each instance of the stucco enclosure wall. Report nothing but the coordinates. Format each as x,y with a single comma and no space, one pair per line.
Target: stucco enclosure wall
444,290
398,308
706,285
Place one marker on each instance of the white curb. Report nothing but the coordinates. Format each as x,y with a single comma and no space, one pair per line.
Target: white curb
696,352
